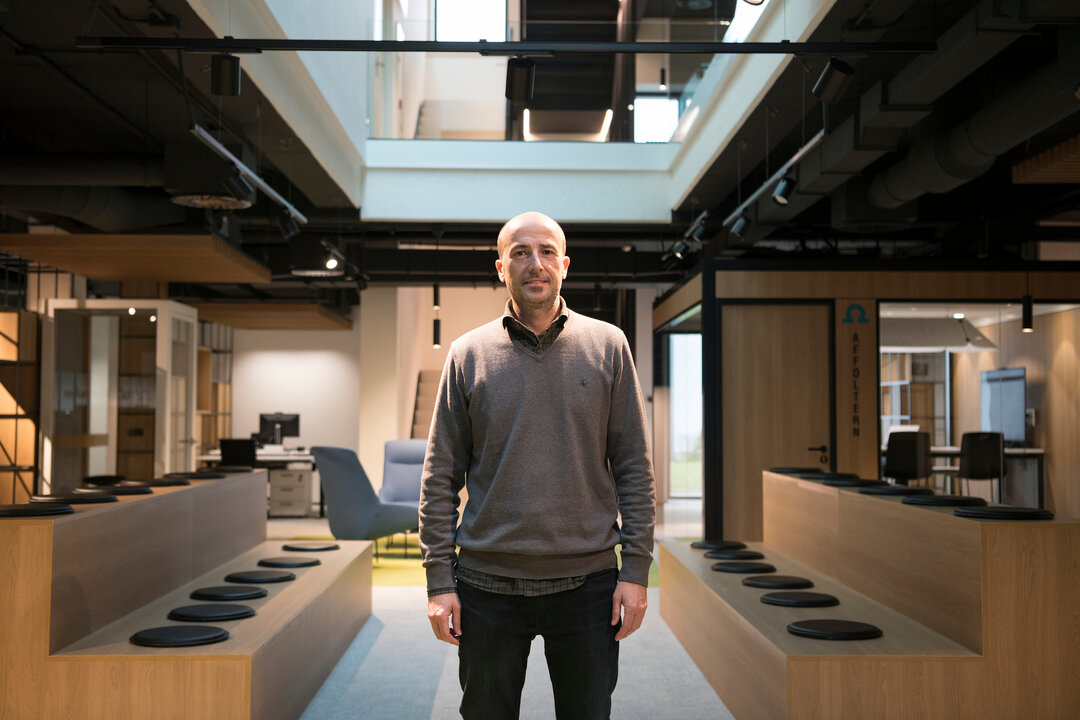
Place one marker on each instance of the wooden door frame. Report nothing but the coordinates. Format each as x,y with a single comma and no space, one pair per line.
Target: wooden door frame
712,396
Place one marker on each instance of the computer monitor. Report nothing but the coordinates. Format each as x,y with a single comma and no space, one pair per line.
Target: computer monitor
1004,396
275,426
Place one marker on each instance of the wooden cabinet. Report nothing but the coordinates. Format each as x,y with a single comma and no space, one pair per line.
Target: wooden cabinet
214,385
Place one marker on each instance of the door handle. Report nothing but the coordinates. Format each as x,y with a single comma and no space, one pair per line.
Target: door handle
819,449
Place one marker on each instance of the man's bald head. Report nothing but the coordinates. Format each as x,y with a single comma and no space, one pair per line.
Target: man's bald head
530,220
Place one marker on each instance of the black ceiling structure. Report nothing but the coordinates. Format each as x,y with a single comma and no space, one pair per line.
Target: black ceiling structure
916,161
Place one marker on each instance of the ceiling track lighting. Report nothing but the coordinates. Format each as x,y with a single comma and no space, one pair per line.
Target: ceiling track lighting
223,152
739,227
520,79
833,81
225,75
239,187
663,79
1028,312
782,194
287,226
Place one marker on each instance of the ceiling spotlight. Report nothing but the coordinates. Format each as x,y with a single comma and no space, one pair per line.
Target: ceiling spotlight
833,81
520,77
680,250
739,227
1028,313
663,79
131,311
435,296
225,75
782,193
315,257
239,187
153,318
630,107
436,335
958,316
287,225
331,263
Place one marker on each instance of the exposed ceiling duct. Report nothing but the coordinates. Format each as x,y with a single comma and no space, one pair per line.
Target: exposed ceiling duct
129,171
108,209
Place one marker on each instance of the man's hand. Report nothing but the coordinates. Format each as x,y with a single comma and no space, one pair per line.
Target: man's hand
630,600
444,612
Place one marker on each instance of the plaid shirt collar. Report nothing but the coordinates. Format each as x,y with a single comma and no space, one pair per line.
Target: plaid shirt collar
526,337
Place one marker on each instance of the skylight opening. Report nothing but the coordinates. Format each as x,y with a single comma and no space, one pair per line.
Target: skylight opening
470,20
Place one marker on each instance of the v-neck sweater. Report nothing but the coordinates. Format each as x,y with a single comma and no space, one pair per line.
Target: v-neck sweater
531,435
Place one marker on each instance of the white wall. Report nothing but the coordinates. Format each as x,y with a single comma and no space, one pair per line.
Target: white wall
314,373
381,374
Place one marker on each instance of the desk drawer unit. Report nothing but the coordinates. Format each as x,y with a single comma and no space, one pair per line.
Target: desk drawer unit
290,492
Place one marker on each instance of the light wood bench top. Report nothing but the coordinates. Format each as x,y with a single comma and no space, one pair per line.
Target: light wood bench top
283,601
902,636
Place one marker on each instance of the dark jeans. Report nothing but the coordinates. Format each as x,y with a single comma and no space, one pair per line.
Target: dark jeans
579,642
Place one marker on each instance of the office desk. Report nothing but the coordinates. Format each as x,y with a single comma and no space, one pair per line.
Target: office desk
280,462
1015,494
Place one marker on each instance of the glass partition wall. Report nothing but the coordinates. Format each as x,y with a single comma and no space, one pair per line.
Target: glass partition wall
118,390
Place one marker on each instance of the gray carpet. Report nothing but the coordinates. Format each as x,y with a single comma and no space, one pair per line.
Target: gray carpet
397,670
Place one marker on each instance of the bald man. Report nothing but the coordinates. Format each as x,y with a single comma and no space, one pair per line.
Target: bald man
539,415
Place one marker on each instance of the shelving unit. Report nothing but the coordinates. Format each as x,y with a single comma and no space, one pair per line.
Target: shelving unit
136,391
214,385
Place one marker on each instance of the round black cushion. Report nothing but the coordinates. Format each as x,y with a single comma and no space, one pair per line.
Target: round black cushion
232,469
852,482
735,566
895,490
734,555
228,592
774,582
834,629
944,500
311,547
1004,512
40,509
179,636
168,482
289,562
96,496
211,612
103,479
799,599
260,576
196,475
827,476
124,487
793,470
717,545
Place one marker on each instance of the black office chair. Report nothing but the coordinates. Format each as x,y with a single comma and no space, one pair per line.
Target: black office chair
982,457
237,452
907,457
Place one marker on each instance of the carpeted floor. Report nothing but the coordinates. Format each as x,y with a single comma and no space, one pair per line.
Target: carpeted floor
397,670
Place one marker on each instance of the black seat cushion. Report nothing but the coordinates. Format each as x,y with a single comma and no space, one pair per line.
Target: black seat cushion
717,545
311,547
168,482
735,566
1004,512
103,479
124,487
834,629
944,500
223,593
800,599
793,470
734,555
289,562
853,482
39,509
774,582
232,469
896,490
211,612
260,576
827,476
97,496
180,636
195,475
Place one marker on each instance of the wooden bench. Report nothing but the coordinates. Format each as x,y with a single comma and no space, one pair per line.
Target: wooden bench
76,587
979,617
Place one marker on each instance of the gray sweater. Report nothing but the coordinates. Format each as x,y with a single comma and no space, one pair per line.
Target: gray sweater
532,436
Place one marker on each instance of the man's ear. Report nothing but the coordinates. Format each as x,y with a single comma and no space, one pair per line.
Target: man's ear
565,265
499,269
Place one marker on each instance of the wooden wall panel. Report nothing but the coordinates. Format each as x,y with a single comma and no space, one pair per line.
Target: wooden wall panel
678,302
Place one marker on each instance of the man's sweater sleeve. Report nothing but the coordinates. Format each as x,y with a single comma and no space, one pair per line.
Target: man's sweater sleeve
448,453
631,468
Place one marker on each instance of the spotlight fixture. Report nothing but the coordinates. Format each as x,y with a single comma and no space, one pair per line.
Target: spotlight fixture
663,79
435,296
1028,314
287,225
239,187
331,263
739,227
958,316
520,77
131,311
315,257
153,318
436,340
225,75
681,249
782,193
833,81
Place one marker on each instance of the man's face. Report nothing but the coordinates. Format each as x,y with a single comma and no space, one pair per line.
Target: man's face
532,263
